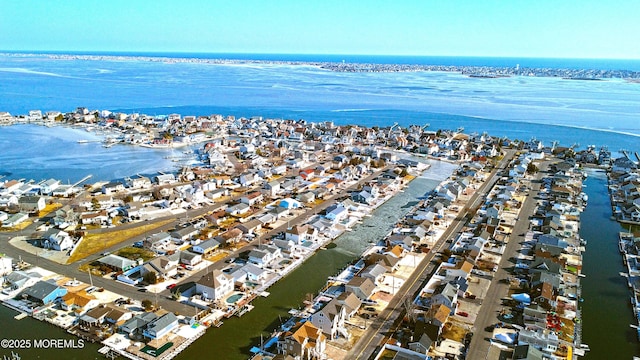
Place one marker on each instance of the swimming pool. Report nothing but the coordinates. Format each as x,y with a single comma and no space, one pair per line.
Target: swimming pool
234,298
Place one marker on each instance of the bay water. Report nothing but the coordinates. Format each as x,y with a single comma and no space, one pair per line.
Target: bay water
581,113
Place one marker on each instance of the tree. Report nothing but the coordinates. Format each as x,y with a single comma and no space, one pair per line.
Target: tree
150,277
404,172
95,204
532,169
147,304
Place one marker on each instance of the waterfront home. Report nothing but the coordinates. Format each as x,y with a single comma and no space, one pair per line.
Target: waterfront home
137,324
164,179
264,255
47,187
374,272
19,280
138,182
43,292
205,248
112,187
31,203
297,234
249,272
160,326
78,301
362,287
93,318
214,286
336,213
304,341
330,319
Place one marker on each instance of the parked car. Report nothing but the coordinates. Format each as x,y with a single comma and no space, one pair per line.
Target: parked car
171,286
463,314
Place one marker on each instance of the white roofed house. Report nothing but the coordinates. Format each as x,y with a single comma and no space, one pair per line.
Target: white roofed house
157,241
48,186
96,217
138,182
206,247
264,255
18,280
215,285
112,187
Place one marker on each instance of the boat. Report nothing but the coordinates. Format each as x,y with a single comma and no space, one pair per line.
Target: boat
83,141
244,309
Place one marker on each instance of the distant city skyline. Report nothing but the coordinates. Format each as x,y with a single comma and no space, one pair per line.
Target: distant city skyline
544,28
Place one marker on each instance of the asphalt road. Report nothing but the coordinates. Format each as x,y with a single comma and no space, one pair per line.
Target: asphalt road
389,318
492,304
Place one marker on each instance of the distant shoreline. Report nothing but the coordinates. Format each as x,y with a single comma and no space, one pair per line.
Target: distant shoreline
344,66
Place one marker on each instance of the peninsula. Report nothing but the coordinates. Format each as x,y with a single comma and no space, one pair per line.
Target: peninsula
146,264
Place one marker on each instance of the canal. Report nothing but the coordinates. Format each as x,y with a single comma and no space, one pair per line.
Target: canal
234,339
606,310
40,340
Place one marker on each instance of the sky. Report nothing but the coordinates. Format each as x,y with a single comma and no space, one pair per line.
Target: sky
499,28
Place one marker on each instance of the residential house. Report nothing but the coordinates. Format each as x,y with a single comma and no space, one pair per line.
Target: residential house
163,266
96,217
238,209
362,287
57,240
19,280
297,233
117,263
137,324
112,187
205,248
44,292
215,285
336,213
185,233
190,258
160,326
330,319
78,301
304,341
31,203
264,255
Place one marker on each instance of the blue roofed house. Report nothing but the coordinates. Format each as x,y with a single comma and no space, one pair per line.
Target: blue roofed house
44,292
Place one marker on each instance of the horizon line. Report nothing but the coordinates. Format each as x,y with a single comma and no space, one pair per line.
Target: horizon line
100,52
